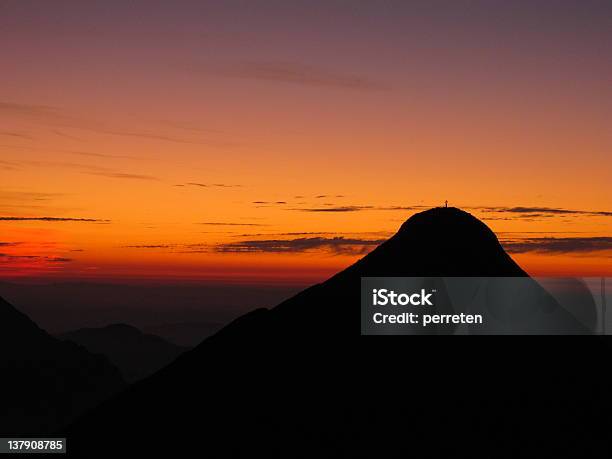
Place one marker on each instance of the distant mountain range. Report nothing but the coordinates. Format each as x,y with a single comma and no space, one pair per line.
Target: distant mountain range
185,334
191,308
298,380
46,382
135,353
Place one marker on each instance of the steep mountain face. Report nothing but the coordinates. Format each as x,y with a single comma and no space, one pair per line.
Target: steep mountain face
136,354
46,382
300,381
437,242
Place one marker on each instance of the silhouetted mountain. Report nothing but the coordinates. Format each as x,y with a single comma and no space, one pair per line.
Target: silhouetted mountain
63,306
299,381
136,354
185,334
46,382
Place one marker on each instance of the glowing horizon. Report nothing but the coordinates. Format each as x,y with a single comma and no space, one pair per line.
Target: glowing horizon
188,141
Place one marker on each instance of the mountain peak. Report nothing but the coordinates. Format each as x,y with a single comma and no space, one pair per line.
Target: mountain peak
437,215
450,220
443,241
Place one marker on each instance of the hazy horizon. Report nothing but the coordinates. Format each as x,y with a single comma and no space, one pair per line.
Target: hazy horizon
278,142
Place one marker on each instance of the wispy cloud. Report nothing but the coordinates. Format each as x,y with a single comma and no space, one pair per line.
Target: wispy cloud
210,185
334,209
298,74
270,202
72,152
559,245
18,135
230,224
8,165
122,175
8,258
100,155
336,245
26,196
174,247
27,109
58,259
53,116
542,211
150,246
51,219
147,135
355,208
87,169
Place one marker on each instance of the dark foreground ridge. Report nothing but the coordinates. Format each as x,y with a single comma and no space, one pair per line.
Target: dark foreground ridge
46,382
299,381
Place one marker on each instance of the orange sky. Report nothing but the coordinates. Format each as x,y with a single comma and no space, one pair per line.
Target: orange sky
320,121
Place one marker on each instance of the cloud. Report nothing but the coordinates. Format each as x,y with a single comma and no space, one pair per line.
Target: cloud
398,207
334,209
270,202
8,165
351,208
5,257
52,219
210,185
52,116
27,109
99,155
9,244
58,259
558,245
8,257
298,74
150,246
122,175
72,152
16,134
530,212
174,248
147,135
25,196
336,245
296,233
229,224
67,136
89,169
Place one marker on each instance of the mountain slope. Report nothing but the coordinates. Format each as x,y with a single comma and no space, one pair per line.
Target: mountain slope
184,334
299,381
45,382
136,354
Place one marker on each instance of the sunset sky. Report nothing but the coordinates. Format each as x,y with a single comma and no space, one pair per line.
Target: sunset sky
280,141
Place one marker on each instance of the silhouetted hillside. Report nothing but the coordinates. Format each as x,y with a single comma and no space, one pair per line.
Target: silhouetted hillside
299,381
46,382
59,307
136,354
185,334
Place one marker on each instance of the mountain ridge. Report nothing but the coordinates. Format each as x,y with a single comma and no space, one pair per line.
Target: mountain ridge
298,380
135,353
47,382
